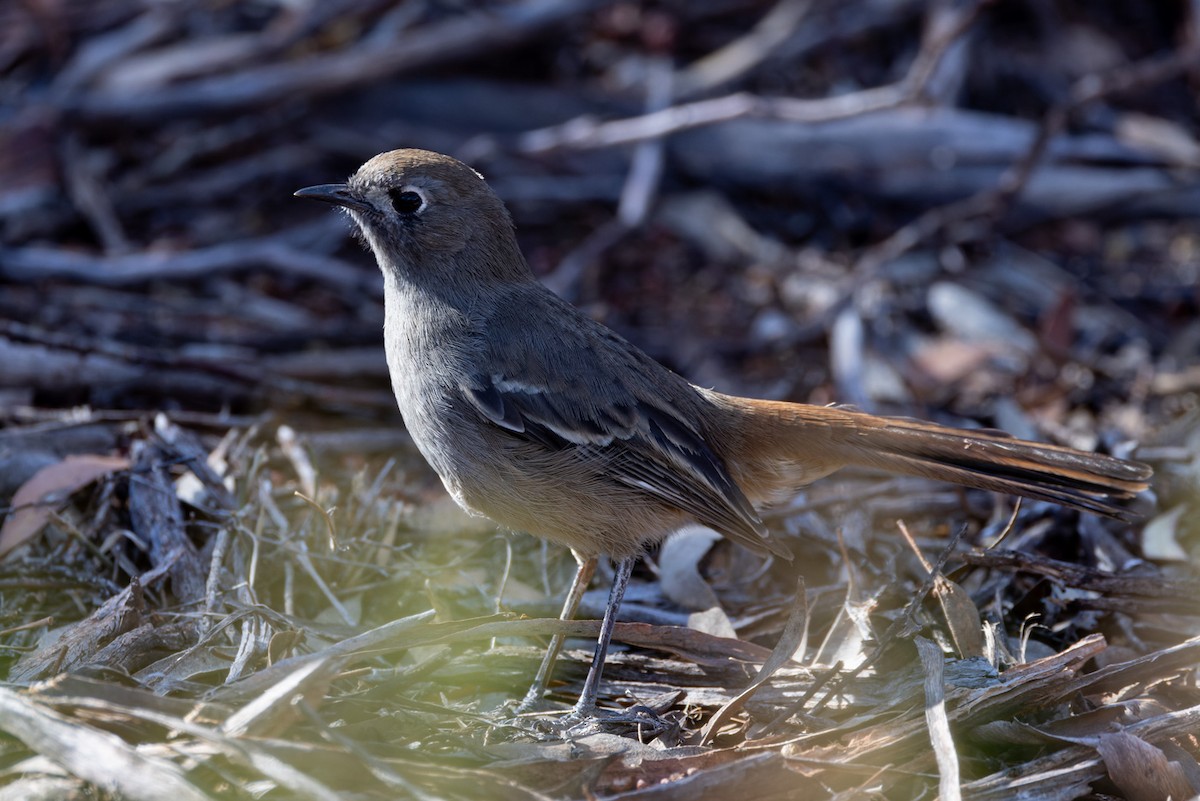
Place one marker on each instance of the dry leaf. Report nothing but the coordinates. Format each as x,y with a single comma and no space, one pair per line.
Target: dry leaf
52,485
1159,538
1164,138
96,756
1142,770
790,647
679,568
951,360
962,617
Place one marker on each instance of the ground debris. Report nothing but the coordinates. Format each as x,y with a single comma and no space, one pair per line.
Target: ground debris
226,572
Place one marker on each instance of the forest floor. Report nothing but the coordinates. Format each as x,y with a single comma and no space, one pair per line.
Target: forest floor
226,573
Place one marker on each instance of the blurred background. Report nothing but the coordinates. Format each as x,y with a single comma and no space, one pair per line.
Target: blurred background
977,211
893,203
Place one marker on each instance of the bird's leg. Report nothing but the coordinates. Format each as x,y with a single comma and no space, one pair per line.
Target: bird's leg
583,577
586,706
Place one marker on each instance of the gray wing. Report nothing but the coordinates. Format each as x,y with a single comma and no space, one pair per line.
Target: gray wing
576,392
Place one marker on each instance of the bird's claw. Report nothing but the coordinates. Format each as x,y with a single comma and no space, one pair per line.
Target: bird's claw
638,719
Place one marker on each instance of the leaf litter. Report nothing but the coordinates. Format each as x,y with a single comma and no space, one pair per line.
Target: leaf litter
975,212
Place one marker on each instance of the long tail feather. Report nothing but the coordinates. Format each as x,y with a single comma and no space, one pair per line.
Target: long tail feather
992,461
786,445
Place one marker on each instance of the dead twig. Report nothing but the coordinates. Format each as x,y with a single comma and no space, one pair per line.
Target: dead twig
972,218
583,133
327,73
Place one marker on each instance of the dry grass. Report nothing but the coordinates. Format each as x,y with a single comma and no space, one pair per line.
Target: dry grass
227,574
348,645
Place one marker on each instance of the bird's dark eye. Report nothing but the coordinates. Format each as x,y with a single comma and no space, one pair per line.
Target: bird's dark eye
406,202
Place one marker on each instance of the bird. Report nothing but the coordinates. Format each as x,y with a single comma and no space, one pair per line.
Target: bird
543,419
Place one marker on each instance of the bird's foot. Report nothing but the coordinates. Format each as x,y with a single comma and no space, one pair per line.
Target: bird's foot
645,720
639,720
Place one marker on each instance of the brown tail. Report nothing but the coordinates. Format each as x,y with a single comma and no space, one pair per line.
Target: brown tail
806,442
995,461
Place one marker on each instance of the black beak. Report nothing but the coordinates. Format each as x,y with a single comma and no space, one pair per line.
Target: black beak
337,194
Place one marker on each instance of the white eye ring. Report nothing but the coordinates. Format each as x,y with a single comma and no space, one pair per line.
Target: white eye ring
408,200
